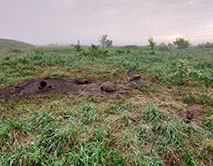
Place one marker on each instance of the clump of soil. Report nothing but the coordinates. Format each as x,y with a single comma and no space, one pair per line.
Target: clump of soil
138,81
130,73
108,87
83,81
189,116
39,86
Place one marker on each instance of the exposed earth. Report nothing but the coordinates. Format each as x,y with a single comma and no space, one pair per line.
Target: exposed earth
39,86
64,86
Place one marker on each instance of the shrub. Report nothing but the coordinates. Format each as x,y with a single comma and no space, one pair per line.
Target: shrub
170,45
77,47
181,43
163,47
151,43
206,45
104,42
184,71
95,51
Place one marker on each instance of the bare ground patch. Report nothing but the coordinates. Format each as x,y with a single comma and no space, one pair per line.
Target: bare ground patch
65,86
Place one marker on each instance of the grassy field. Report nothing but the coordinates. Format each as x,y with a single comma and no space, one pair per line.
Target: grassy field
145,126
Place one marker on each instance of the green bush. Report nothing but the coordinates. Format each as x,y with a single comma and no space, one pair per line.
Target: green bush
163,47
152,44
184,71
77,47
95,51
181,43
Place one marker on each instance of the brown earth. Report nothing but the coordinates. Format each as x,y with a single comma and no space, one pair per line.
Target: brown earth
39,86
58,85
65,86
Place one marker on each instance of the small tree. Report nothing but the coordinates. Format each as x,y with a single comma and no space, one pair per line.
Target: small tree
104,42
181,43
77,46
151,43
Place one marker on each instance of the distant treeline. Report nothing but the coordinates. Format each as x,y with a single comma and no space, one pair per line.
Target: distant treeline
206,45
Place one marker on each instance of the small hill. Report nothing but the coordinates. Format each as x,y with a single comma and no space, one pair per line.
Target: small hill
8,43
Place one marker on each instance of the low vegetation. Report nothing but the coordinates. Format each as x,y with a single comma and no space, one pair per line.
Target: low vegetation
167,122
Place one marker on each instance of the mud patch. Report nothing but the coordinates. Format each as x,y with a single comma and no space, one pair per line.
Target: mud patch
39,86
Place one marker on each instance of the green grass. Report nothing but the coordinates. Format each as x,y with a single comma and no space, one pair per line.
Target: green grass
140,128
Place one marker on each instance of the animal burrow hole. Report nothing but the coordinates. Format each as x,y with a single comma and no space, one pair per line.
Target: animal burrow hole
43,84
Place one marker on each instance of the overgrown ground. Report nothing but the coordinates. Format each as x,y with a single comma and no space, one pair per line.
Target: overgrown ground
167,122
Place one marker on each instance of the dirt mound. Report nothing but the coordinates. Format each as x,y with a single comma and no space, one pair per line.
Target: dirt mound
39,86
61,86
108,87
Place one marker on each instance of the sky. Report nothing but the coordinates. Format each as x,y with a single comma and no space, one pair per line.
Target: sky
126,22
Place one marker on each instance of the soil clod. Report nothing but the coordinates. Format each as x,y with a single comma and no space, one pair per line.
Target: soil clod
108,87
130,73
82,81
189,116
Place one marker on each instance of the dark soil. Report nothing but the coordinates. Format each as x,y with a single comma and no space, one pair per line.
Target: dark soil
189,116
83,81
138,81
39,86
58,85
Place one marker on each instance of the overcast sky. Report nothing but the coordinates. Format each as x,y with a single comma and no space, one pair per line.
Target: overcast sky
125,21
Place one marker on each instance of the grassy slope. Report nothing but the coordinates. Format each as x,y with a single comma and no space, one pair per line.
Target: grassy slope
8,43
144,127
